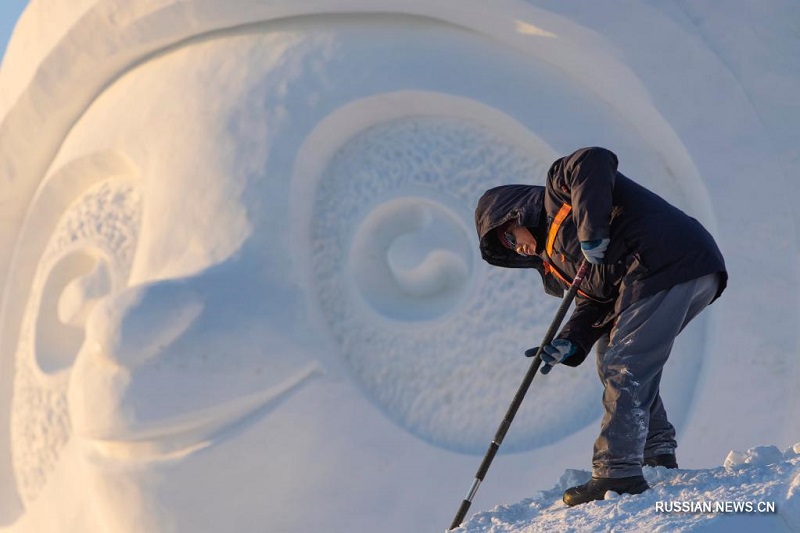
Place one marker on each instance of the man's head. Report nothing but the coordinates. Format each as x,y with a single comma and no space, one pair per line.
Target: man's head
509,220
512,227
518,239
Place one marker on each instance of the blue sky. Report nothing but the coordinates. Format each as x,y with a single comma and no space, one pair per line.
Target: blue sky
10,11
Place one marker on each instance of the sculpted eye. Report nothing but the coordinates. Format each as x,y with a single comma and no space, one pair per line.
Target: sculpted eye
401,287
84,256
395,274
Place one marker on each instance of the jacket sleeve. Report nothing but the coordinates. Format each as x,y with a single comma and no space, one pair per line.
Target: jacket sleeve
582,327
589,176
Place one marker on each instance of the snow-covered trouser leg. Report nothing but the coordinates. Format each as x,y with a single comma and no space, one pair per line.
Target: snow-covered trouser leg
660,433
630,370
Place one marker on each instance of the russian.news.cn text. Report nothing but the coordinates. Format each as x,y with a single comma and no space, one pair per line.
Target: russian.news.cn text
683,506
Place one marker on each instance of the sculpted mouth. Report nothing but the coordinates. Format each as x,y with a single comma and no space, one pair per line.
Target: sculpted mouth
180,434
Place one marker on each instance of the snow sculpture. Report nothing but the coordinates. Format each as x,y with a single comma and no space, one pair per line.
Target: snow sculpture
239,260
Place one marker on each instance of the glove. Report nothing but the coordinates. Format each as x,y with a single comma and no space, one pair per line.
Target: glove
531,351
594,251
555,353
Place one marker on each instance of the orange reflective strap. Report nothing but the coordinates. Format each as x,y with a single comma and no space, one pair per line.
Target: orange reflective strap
554,227
562,214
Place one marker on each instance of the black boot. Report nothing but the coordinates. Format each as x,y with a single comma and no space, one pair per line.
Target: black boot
667,460
596,489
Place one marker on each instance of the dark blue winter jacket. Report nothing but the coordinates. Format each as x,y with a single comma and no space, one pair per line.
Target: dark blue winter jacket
654,245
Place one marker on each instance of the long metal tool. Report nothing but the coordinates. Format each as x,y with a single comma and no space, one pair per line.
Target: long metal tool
523,389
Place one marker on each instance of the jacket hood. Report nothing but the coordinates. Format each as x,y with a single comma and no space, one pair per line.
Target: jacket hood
523,203
498,205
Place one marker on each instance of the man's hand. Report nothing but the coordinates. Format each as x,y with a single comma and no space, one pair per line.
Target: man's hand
555,353
594,251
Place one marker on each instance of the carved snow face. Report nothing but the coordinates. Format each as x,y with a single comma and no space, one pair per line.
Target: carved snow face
268,229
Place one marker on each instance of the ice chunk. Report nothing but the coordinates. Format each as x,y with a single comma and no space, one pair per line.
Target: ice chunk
758,456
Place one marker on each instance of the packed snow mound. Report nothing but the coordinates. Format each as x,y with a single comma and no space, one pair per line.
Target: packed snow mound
755,490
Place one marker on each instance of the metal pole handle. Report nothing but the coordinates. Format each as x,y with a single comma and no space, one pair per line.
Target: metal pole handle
520,395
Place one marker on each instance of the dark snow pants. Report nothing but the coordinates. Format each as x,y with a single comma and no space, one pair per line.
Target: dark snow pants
629,361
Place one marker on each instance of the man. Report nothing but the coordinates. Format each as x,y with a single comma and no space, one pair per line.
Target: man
653,269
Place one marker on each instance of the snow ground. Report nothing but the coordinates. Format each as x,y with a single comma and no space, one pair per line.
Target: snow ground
755,490
242,288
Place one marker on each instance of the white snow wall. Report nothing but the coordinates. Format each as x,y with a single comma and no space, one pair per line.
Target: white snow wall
239,258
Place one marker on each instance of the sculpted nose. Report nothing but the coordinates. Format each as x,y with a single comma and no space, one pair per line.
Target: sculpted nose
139,323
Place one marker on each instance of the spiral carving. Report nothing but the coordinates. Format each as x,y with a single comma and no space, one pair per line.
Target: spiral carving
431,332
88,256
